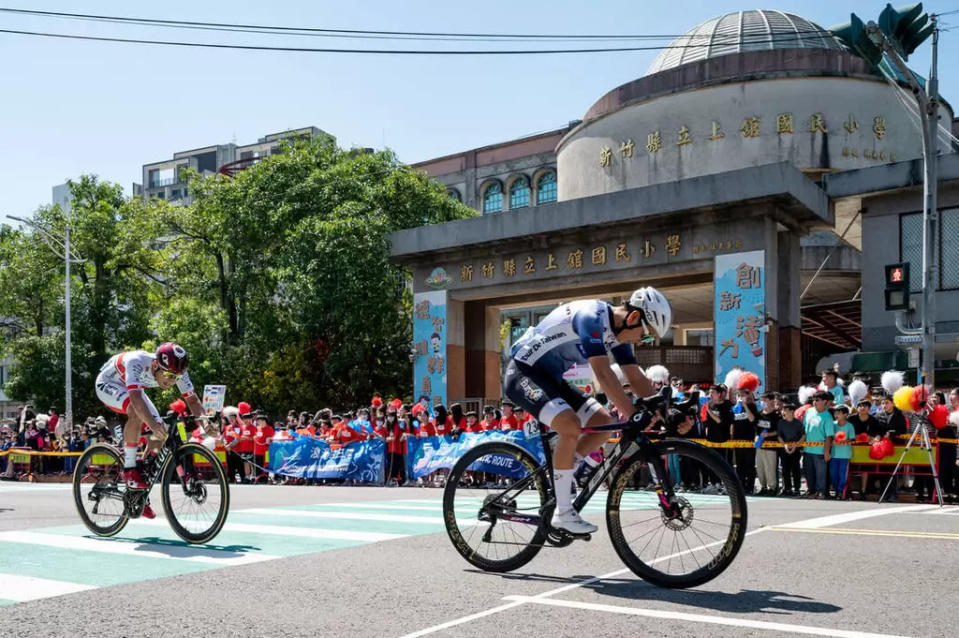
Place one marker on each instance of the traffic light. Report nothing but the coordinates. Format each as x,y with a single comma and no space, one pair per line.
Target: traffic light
854,36
906,28
897,286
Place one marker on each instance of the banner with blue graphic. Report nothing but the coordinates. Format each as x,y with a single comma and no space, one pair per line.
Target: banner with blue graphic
314,459
433,453
739,286
429,346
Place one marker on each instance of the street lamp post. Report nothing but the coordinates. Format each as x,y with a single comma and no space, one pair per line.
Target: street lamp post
61,248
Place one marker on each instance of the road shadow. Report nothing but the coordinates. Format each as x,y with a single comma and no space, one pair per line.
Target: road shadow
179,548
745,601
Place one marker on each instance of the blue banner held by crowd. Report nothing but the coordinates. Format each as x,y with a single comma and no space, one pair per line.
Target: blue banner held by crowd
429,454
310,458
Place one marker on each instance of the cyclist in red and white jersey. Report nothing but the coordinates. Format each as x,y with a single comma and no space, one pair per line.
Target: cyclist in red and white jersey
120,386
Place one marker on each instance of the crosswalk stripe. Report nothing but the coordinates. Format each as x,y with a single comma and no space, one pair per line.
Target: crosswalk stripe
352,516
336,534
381,506
22,588
33,487
167,550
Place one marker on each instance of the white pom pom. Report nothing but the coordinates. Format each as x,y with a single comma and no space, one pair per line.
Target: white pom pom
840,382
857,392
209,443
954,418
657,374
805,393
821,387
732,378
892,381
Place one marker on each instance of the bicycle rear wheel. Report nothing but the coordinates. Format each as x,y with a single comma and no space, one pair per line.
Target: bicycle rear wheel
692,539
196,497
493,506
96,492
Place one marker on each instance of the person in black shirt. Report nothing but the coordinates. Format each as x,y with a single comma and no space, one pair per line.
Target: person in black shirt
790,432
744,429
718,421
863,422
892,422
767,458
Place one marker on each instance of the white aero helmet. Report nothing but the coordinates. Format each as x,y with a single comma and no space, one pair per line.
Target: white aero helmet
656,311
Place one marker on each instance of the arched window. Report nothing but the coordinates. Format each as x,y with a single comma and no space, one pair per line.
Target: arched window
493,198
546,188
454,194
519,193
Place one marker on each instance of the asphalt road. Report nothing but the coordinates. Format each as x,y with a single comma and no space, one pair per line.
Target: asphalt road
338,561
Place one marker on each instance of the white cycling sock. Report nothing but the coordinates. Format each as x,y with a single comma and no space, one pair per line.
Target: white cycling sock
563,480
129,456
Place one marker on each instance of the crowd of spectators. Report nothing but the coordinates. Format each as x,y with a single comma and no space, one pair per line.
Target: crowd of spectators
814,428
246,433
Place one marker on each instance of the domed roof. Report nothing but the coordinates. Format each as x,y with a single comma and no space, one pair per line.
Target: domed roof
755,30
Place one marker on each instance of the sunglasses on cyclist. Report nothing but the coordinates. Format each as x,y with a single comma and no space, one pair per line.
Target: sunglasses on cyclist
166,374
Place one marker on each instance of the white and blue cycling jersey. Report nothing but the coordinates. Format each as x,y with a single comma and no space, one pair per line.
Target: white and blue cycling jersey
571,334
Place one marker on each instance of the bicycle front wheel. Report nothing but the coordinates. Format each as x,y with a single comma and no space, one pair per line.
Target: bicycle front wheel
493,506
693,538
196,497
96,490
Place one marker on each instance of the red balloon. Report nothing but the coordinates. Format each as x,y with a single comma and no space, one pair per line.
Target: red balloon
888,446
919,397
877,451
939,416
243,407
840,437
862,437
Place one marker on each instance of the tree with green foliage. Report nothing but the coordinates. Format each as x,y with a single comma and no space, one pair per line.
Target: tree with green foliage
295,254
278,282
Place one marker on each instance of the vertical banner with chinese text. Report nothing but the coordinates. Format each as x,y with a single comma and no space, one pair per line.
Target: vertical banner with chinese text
739,313
429,346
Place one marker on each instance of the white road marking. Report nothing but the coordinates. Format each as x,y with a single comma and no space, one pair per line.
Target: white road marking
947,511
700,618
308,532
136,548
23,588
34,487
349,516
379,506
811,523
838,519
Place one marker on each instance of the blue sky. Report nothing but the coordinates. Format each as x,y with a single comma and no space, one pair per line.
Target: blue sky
72,107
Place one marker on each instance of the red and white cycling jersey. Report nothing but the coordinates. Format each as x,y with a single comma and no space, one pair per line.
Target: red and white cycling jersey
132,371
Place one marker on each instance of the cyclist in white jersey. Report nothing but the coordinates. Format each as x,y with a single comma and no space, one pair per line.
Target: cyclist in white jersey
582,332
120,386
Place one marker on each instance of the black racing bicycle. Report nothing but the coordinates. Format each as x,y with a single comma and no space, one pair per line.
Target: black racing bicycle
193,487
675,510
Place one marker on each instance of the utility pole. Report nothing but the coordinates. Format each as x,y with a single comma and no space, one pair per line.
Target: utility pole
928,101
891,42
61,248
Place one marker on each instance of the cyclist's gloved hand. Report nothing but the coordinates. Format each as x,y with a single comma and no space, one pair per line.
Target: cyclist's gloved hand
159,431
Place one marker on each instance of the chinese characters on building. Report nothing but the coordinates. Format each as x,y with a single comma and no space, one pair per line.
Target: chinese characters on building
577,258
751,127
739,313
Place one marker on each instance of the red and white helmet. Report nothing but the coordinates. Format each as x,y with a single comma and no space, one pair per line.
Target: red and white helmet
172,358
656,310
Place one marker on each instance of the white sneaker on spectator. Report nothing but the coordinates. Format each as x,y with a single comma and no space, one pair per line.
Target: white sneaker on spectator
572,522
